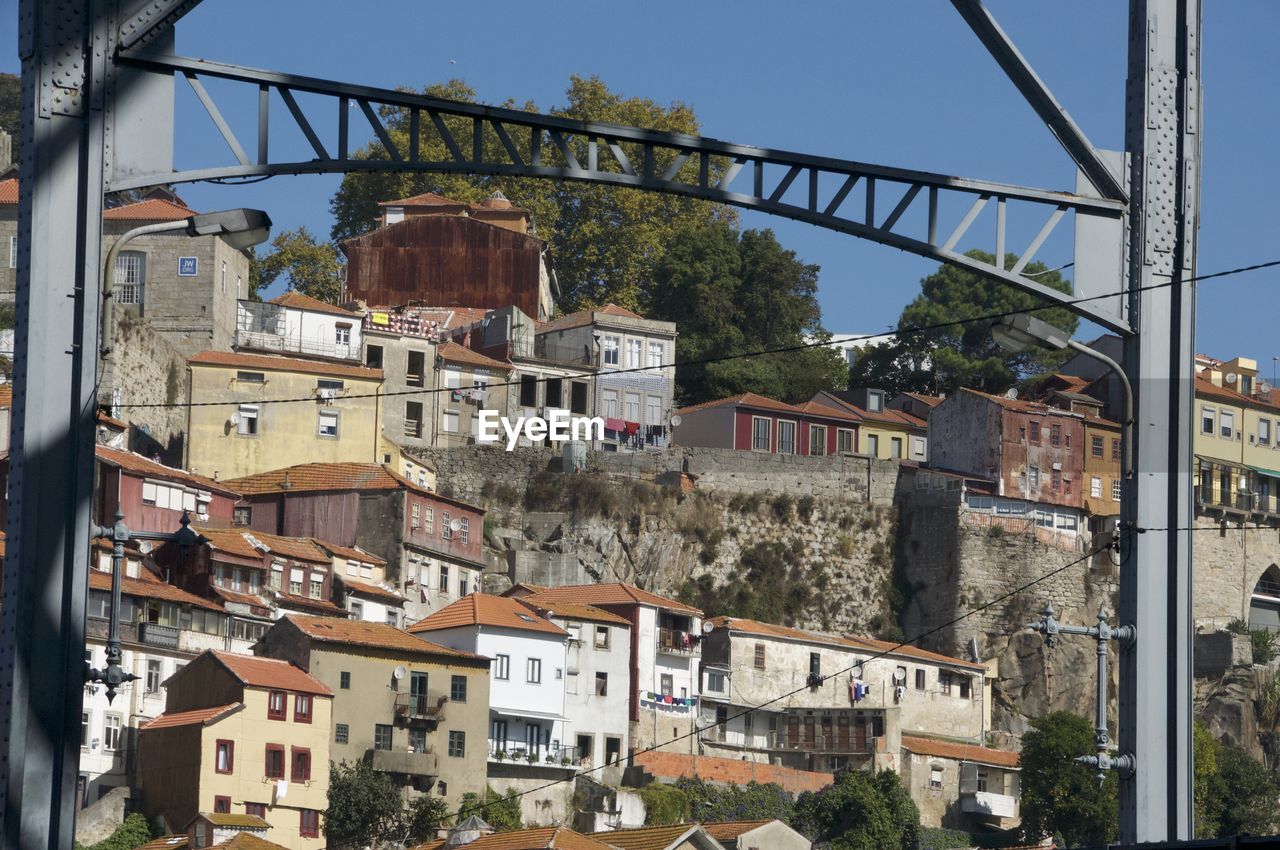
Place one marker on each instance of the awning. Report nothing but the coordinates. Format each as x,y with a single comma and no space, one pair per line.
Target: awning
521,712
1262,470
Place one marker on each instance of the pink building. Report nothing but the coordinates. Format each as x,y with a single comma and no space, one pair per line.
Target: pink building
752,422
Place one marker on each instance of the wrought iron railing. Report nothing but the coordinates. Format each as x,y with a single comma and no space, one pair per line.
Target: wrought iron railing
677,642
420,706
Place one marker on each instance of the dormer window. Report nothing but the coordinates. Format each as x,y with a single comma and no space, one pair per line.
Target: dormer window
875,401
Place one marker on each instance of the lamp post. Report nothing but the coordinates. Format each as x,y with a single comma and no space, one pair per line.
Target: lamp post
1023,332
242,228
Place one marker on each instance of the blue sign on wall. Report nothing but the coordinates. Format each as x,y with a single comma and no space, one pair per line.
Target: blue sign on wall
188,266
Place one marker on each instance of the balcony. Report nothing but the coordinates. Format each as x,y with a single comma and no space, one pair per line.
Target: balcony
281,344
158,635
560,758
989,804
574,355
849,743
404,762
420,707
677,642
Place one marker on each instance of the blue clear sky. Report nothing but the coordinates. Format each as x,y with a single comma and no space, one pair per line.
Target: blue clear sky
897,82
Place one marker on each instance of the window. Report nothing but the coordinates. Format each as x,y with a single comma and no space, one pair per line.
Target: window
964,687
759,656
450,421
247,420
873,445
1095,487
1208,417
327,423
301,764
84,728
667,685
251,377
222,805
13,252
392,619
225,756
446,528
356,607
528,391
309,823
633,353
457,744
610,346
655,354
1227,424
373,356
578,397
817,440
502,667
1095,446
533,671
1035,432
431,521
652,410
602,637
602,684
153,676
274,762
1055,480
844,440
815,664
444,579
415,369
275,704
464,533
341,733
1264,432
935,777
302,708
944,682
760,434
130,277
1033,477
786,437
458,688
1115,491
453,377
1055,435
256,809
242,515
920,674
875,401
342,334
415,515
715,681
418,739
631,413
609,404
1115,449
895,447
111,731
382,736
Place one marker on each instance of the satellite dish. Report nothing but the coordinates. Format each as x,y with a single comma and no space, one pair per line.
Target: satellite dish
1264,387
455,524
1231,377
145,547
235,419
856,672
675,421
399,672
707,628
1012,392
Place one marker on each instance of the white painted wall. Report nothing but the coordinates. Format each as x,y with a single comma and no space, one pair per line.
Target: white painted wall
653,665
321,329
605,716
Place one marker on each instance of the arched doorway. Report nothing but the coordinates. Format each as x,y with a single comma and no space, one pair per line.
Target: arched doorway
1264,606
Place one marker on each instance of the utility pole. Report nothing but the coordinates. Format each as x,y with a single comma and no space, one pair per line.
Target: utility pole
1162,137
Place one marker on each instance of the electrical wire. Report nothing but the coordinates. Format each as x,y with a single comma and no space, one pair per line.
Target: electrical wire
699,729
910,331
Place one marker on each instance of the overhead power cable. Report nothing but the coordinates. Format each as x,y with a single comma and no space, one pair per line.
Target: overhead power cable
702,361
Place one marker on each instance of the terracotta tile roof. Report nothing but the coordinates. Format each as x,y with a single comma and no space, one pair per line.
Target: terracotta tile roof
576,611
647,837
455,353
752,400
538,838
324,606
203,716
146,588
229,819
1020,405
297,548
755,627
312,477
426,199
818,409
929,401
724,770
587,317
166,842
241,598
229,540
137,463
529,587
6,395
366,589
481,609
9,191
248,841
729,830
270,673
360,633
152,209
959,752
1208,389
609,593
351,553
285,364
299,301
887,416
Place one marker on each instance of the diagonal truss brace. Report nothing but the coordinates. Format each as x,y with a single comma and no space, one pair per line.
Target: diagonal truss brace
900,208
152,19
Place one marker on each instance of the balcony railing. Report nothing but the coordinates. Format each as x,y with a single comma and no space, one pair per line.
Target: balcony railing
578,355
987,803
420,707
404,762
521,754
677,642
820,742
263,341
158,635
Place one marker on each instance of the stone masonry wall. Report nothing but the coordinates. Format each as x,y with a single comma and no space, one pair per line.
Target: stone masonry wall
147,370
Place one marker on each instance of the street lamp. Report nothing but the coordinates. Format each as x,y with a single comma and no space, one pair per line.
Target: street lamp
241,228
1022,332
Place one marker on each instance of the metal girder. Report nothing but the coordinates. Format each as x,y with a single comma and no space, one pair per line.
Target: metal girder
1051,112
486,140
152,18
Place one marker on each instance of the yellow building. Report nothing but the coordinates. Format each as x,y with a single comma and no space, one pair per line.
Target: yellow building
466,383
1236,446
240,736
250,433
883,432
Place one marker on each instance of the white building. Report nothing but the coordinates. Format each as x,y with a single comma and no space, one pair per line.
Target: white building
666,638
361,586
850,344
294,323
597,676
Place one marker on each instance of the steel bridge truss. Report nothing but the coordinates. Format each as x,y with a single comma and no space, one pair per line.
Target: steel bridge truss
921,212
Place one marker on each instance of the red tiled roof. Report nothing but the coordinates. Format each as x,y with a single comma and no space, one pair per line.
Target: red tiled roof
6,395
229,540
166,842
648,837
724,770
313,477
297,548
361,633
9,191
959,752
609,593
1021,405
141,465
301,301
455,353
538,838
729,830
818,409
575,611
753,400
285,364
366,589
152,209
241,598
324,606
586,317
248,841
929,401
270,673
351,553
150,589
887,416
481,609
426,199
203,716
1208,389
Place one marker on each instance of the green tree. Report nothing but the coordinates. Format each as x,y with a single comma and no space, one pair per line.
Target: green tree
1059,796
11,110
664,804
423,816
964,355
859,811
1250,802
134,831
733,293
1208,783
365,806
605,239
502,812
771,583
753,801
310,267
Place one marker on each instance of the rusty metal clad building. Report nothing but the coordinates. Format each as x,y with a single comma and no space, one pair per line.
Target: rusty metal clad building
447,261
